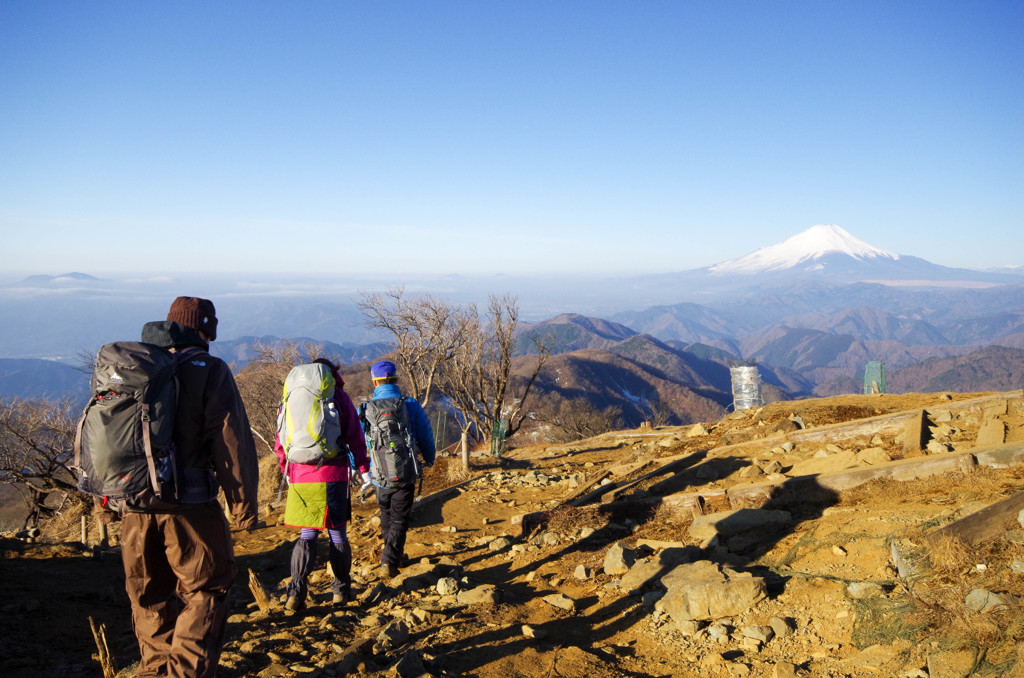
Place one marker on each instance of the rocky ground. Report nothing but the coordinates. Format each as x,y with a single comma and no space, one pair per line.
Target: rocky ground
699,550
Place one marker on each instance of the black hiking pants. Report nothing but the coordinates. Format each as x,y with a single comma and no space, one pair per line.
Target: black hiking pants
395,516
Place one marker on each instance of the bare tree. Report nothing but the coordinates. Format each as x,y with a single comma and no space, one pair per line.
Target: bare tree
578,418
479,380
260,383
426,333
657,411
36,451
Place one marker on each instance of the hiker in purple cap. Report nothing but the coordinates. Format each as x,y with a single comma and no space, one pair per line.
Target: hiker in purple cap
397,431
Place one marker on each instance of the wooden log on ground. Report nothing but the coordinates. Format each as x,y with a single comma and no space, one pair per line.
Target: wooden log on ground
981,525
1000,456
677,462
900,470
887,423
582,495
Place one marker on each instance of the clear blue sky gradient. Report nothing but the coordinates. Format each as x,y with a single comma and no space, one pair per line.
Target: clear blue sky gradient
513,137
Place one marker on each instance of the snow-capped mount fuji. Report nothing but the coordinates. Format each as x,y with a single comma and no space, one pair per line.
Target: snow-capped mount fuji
832,253
804,249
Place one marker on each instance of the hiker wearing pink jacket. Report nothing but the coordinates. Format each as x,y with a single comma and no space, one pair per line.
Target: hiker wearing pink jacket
318,499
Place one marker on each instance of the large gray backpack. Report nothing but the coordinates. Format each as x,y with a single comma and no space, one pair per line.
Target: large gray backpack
392,448
124,447
308,423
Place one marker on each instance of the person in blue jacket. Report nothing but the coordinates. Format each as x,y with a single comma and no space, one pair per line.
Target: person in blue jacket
395,499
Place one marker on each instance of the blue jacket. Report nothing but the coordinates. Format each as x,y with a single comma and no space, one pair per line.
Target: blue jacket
418,421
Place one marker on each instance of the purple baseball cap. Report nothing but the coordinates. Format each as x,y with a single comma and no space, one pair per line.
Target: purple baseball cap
382,369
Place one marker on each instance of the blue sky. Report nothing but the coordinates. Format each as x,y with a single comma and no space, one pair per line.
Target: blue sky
511,137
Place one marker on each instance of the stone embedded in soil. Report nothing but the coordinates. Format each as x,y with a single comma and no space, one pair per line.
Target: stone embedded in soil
485,594
860,590
619,559
983,601
705,590
784,670
561,601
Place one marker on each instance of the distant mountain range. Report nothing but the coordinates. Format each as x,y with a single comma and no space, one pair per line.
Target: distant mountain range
811,311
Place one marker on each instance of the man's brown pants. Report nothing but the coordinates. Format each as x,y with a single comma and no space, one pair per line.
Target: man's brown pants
178,569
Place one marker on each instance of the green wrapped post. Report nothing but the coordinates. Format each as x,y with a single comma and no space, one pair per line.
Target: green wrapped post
874,377
498,437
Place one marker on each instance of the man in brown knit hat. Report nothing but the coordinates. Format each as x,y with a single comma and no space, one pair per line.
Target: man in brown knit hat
179,563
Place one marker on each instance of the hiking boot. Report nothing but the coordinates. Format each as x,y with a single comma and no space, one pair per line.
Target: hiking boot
293,604
388,571
341,599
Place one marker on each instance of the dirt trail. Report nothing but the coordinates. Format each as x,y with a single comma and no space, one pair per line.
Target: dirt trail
481,597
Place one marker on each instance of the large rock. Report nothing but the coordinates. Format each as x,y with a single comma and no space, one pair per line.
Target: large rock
619,559
728,523
485,594
704,590
649,570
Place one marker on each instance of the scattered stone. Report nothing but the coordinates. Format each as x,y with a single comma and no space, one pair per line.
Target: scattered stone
447,586
531,632
839,551
485,594
560,601
935,447
688,627
393,635
410,666
649,570
772,467
719,633
788,447
984,601
761,634
619,559
873,456
581,572
859,590
705,590
651,598
784,670
499,544
751,471
955,664
781,626
697,430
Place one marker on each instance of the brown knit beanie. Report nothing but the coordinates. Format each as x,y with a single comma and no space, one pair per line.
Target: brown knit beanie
196,314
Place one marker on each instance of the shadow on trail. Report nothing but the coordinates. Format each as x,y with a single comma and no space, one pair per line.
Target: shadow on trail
803,498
